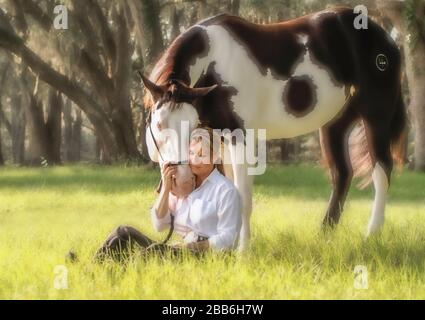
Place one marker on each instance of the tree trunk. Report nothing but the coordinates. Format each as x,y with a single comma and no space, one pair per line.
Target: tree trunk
67,131
1,148
176,16
2,120
18,127
98,150
54,127
234,6
72,133
285,152
416,80
3,76
76,137
37,147
148,28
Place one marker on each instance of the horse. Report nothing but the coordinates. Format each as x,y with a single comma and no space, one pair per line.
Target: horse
316,72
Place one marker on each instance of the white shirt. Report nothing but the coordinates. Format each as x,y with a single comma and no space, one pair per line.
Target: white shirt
212,210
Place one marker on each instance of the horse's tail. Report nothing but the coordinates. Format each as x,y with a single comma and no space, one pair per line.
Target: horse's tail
359,152
399,130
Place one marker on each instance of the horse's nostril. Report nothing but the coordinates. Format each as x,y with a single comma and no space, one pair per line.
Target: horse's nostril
158,125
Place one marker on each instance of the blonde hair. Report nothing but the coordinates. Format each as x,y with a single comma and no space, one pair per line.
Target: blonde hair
212,140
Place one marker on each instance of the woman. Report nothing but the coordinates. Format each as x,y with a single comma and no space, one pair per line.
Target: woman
209,217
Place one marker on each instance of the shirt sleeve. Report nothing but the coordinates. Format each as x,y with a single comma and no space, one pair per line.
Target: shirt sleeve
229,221
165,222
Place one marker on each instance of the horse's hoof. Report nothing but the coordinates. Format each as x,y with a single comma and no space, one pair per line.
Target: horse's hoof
374,228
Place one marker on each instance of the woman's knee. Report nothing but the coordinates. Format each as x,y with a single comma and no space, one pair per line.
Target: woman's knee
123,232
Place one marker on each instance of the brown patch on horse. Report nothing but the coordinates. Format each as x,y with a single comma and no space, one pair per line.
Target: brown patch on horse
273,47
216,109
300,96
277,47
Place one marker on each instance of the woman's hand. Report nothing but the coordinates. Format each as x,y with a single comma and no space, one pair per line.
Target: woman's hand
162,205
168,173
193,246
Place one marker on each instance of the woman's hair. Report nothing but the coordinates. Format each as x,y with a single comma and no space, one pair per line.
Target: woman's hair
211,140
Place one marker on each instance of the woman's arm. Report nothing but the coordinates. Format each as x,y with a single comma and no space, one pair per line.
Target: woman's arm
229,221
160,210
161,205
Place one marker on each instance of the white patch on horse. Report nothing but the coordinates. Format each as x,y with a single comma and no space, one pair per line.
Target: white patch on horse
380,182
259,98
303,38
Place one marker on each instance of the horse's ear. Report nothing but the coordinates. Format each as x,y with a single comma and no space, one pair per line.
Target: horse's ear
156,91
194,93
201,92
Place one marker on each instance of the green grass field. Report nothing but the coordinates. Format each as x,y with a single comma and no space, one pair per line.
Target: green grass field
46,212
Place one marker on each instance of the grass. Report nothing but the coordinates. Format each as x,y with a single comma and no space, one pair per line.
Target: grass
46,212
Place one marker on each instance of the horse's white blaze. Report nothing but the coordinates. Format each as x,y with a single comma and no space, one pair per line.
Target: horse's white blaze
380,182
174,122
259,99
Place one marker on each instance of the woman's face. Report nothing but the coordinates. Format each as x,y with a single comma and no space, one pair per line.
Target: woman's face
201,162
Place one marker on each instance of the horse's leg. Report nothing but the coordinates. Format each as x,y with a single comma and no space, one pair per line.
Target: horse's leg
379,142
227,165
243,183
334,143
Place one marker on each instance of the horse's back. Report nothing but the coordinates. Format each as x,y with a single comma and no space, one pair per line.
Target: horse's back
292,77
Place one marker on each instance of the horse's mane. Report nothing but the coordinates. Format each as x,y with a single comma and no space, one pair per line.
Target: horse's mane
164,68
159,75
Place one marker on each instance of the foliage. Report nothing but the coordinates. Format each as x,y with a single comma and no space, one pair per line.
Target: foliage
415,22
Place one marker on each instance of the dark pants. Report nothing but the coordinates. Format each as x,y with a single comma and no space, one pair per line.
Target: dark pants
125,240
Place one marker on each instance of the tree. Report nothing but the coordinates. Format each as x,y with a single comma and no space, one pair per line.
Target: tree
18,125
3,74
100,51
145,15
72,132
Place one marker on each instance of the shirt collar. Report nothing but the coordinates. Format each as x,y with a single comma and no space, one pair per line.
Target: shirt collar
212,177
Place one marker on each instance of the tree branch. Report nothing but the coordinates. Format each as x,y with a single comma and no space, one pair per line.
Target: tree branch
123,63
57,80
3,118
102,83
106,33
80,15
34,10
21,22
169,3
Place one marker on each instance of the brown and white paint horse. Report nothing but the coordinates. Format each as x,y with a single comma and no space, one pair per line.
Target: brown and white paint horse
290,78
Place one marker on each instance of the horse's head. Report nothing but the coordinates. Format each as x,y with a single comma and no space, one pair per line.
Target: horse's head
173,117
